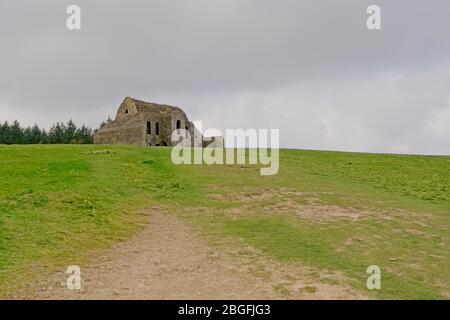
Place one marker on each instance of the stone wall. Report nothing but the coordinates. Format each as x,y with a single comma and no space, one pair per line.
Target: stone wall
130,124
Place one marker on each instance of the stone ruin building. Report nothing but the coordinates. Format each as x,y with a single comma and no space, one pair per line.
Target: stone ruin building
145,124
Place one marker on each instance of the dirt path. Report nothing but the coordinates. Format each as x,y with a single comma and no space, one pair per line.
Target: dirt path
167,260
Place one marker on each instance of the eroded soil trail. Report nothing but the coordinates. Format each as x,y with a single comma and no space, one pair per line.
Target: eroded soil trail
168,260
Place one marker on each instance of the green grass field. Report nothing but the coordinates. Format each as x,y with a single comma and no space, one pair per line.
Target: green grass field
64,202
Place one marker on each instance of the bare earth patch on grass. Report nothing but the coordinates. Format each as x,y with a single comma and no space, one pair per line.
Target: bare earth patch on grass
262,195
304,205
168,260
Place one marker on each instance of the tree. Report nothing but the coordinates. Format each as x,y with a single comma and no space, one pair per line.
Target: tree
84,135
5,133
56,133
27,139
69,133
36,135
44,137
17,134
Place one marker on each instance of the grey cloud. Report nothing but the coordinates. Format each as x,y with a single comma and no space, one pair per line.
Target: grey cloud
310,68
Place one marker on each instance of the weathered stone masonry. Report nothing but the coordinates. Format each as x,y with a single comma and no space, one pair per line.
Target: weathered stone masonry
145,124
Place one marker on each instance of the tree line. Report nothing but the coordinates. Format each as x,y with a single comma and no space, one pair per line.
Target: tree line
59,133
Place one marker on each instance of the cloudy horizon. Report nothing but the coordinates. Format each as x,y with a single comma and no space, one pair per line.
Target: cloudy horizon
310,68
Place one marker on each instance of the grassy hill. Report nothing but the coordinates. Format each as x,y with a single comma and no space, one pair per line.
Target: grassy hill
329,210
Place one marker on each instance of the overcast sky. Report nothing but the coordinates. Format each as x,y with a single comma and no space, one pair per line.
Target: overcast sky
310,68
